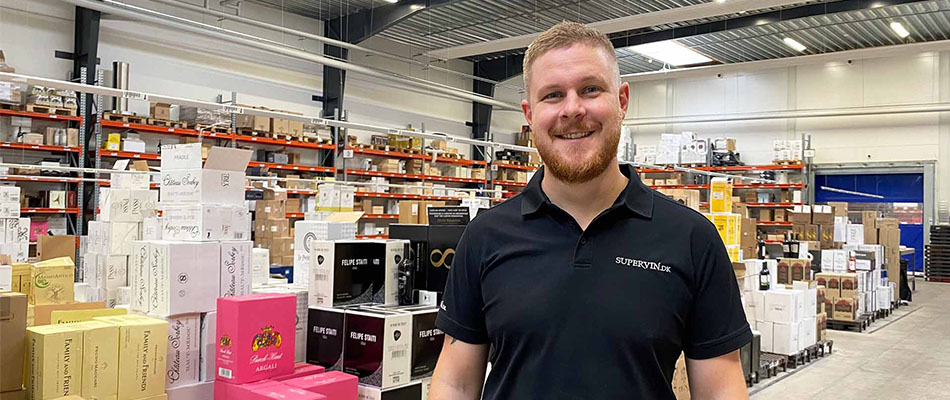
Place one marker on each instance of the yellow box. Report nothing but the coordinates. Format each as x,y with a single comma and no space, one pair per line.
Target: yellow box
720,196
71,316
143,344
54,361
100,365
732,230
114,142
162,396
23,279
721,221
53,281
733,253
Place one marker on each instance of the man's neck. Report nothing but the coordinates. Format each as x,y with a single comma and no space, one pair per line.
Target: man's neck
584,201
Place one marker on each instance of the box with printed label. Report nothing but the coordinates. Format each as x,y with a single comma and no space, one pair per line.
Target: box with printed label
325,327
54,361
376,347
300,320
307,231
845,309
720,195
849,286
235,273
143,348
119,237
782,306
183,277
785,338
332,384
411,391
198,222
184,347
53,281
783,272
355,272
208,339
100,361
255,337
426,338
221,181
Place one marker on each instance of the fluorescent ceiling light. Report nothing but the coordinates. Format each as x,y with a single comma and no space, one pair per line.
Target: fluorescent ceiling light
794,44
391,1
899,29
670,52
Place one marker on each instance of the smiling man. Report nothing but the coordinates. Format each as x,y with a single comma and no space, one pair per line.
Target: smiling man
588,285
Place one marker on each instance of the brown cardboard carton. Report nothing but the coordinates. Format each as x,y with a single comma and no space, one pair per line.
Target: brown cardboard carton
869,218
680,381
779,215
292,205
803,218
42,314
784,273
295,128
870,234
765,214
275,194
13,310
811,233
845,309
423,214
23,278
160,110
849,286
14,395
822,279
826,233
409,211
748,234
840,209
50,247
261,124
883,223
799,269
142,353
53,281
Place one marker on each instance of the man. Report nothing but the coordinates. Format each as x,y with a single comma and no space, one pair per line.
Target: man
588,285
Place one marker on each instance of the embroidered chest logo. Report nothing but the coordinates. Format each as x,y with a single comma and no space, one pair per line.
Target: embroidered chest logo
648,265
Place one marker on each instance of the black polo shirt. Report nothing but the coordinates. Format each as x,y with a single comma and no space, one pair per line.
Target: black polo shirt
596,314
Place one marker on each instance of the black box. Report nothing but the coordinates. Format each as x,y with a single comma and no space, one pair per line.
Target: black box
348,272
412,274
325,327
377,345
412,391
443,239
426,338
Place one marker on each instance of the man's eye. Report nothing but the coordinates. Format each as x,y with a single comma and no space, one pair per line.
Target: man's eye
591,89
552,95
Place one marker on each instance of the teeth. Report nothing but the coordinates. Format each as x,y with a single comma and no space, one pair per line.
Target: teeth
577,135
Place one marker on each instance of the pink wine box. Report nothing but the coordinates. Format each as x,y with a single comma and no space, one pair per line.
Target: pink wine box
255,337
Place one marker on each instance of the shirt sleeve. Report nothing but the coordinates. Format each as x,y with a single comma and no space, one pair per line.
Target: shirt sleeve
461,313
717,323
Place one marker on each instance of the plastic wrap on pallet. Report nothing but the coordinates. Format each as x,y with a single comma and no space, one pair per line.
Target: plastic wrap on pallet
204,116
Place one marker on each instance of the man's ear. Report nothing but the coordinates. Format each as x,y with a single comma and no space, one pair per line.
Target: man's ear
624,99
526,109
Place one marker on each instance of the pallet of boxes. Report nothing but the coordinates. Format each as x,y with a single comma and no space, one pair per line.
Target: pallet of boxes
272,227
728,223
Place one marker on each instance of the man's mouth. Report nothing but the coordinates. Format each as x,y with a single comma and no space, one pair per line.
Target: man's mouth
576,135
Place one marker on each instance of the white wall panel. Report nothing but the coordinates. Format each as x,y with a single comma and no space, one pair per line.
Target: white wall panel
762,91
830,85
889,81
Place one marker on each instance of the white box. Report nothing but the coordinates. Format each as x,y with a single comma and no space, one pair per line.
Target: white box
9,194
412,390
195,391
139,180
209,342
300,327
260,266
767,330
241,223
785,339
176,157
807,334
841,260
123,295
81,290
364,330
6,278
827,260
759,300
9,210
198,222
307,231
120,236
221,181
184,277
377,279
181,364
19,252
139,272
116,271
235,268
855,234
783,306
151,228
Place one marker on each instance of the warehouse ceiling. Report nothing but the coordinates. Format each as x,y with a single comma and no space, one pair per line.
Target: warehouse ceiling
819,26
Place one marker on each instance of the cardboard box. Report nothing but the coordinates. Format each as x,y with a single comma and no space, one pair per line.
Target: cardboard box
143,347
767,329
184,347
53,282
373,351
855,234
50,247
13,310
799,269
183,277
208,354
54,361
412,390
100,361
332,384
255,337
785,339
160,110
783,272
354,272
781,306
849,285
220,181
307,231
845,309
42,314
779,215
325,326
235,272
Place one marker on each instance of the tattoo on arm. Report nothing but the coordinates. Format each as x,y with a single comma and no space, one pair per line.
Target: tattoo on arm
454,340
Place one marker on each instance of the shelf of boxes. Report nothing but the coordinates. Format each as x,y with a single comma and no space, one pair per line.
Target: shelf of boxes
278,142
762,205
286,167
402,196
774,223
412,176
50,117
768,186
49,210
39,147
510,183
164,130
399,154
39,179
680,186
737,168
518,167
380,216
129,154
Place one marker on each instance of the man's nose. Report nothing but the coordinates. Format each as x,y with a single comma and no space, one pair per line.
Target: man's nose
572,107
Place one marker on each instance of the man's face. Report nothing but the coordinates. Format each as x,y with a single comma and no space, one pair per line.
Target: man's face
575,109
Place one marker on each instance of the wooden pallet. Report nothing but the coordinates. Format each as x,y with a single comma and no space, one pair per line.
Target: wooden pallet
209,128
280,136
132,119
168,123
787,163
37,108
251,132
862,323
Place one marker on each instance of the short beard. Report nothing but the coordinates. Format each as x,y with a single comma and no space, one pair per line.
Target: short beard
563,171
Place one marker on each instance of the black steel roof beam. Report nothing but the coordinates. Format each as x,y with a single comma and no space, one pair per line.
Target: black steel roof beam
363,25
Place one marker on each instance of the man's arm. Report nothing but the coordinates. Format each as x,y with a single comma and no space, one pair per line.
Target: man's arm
460,372
716,378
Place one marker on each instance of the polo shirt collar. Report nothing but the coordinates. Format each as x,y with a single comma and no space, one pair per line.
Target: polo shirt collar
636,196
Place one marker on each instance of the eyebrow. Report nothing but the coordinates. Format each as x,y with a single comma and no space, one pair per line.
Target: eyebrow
585,80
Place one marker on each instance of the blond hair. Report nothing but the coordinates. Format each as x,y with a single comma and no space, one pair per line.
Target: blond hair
566,34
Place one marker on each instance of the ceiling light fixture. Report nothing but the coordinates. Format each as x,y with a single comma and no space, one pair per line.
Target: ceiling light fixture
899,29
794,44
670,52
391,1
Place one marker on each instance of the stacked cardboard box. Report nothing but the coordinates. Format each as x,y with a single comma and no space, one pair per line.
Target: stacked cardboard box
787,318
272,227
307,231
14,230
728,224
786,150
335,197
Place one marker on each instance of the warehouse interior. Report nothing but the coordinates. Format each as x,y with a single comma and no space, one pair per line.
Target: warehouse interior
814,135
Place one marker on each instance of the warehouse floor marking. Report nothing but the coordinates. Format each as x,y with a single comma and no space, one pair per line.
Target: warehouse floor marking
894,318
782,375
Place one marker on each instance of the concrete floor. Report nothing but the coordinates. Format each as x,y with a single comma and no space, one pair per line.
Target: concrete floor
905,356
